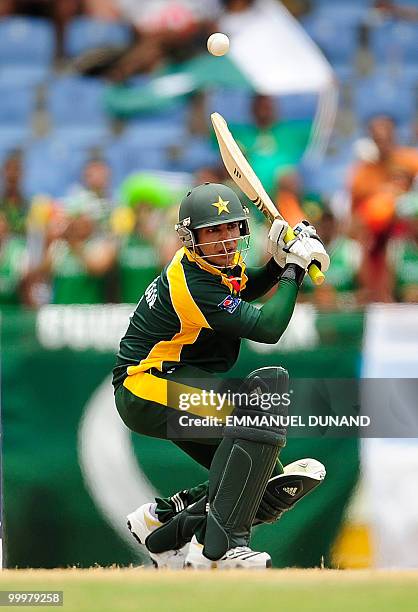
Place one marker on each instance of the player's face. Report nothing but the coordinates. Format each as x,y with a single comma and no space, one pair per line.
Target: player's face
219,243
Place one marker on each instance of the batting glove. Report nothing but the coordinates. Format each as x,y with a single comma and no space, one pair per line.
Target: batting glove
305,226
304,249
276,244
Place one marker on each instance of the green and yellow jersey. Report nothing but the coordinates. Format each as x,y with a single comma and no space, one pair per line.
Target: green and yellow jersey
72,283
13,263
403,259
195,314
15,213
137,267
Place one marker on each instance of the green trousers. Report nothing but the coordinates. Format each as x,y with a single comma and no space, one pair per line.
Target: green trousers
150,417
150,404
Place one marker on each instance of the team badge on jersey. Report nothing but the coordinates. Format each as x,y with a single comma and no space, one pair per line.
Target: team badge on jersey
230,304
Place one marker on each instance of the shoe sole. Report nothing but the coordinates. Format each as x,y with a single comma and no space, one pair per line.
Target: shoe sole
155,564
214,565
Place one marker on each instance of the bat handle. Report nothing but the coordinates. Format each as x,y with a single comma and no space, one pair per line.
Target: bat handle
315,273
314,269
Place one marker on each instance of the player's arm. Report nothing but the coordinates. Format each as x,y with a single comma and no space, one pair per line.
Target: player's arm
238,318
299,253
261,280
274,316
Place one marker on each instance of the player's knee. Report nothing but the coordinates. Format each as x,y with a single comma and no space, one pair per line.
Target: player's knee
259,415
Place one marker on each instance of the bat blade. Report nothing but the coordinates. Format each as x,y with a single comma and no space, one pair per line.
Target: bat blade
244,176
240,170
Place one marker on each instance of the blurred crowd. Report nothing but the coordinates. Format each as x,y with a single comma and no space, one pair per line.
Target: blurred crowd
104,238
92,246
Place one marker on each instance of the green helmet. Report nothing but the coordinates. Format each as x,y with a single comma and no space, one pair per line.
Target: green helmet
207,205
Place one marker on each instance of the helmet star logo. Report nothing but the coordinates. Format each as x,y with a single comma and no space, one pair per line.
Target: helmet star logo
221,205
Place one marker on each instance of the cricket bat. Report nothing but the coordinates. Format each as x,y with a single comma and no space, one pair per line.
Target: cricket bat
244,176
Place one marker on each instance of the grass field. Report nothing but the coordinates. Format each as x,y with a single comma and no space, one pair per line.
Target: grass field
291,590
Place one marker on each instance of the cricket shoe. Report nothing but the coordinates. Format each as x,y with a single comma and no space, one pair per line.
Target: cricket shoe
141,523
298,479
238,557
311,468
284,490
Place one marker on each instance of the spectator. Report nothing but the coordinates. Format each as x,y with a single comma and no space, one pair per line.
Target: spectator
12,201
270,144
13,264
342,289
94,192
376,183
373,175
237,14
7,8
60,11
397,11
139,263
78,260
402,252
172,30
289,197
106,10
97,178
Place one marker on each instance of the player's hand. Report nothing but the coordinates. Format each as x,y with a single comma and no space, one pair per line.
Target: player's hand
305,226
276,242
304,249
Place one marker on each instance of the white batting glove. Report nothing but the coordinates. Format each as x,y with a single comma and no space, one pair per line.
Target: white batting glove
304,249
305,226
275,241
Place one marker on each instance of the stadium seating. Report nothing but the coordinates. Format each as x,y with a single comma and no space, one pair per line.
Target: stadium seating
382,93
52,166
26,41
16,104
324,4
126,158
342,14
195,153
74,100
395,42
410,73
330,175
84,33
30,76
154,134
83,136
297,106
233,104
338,42
13,137
160,139
344,73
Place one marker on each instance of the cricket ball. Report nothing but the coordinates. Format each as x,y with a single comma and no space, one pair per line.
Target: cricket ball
218,44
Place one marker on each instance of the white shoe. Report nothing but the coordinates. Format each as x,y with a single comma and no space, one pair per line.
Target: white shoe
306,467
141,523
238,557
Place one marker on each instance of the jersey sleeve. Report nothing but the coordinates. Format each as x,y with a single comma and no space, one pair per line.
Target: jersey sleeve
261,280
235,317
225,312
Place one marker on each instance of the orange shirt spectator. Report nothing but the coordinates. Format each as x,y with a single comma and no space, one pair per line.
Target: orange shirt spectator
289,196
370,177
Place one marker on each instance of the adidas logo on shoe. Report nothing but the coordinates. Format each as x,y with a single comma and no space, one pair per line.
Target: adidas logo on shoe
290,490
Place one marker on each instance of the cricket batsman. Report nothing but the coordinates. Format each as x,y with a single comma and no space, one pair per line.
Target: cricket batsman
188,326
